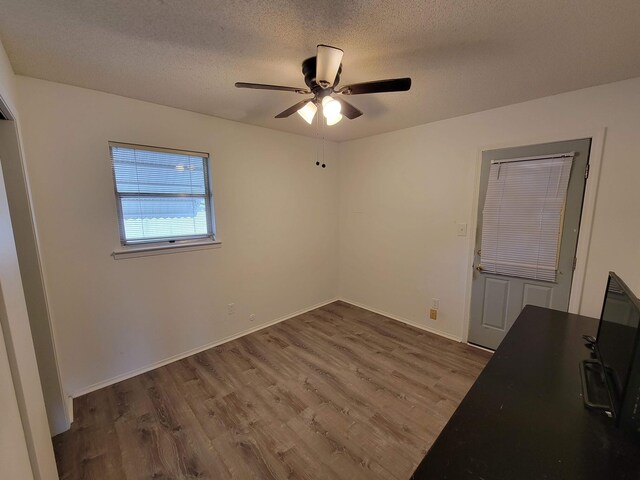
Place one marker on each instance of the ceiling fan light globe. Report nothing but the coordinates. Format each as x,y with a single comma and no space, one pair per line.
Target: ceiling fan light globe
327,64
308,111
332,120
330,107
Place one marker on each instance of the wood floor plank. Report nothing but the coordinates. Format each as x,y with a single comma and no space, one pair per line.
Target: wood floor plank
335,393
96,453
137,430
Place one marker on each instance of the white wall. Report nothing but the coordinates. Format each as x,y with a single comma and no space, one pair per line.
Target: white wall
276,214
402,193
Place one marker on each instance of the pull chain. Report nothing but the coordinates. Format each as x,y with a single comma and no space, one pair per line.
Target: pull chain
323,164
320,137
318,140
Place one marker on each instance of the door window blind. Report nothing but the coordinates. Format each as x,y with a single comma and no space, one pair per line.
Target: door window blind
162,194
522,217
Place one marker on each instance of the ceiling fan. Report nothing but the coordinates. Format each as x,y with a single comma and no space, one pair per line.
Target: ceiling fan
322,75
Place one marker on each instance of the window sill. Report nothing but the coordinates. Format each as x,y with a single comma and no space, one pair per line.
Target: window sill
140,251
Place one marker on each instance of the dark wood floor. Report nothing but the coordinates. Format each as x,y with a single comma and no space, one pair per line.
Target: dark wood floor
339,392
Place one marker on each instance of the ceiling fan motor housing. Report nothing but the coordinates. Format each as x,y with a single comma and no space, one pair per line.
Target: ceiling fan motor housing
309,72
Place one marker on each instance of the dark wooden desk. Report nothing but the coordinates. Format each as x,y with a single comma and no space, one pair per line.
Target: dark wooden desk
524,417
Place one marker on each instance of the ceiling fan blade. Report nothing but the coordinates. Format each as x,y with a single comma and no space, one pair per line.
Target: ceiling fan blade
377,86
293,109
348,110
327,64
262,86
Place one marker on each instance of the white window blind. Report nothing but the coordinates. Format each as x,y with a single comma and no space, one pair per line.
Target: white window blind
522,217
162,194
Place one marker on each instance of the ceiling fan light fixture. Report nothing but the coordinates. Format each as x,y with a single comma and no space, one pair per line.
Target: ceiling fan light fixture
327,64
322,76
333,119
330,107
308,111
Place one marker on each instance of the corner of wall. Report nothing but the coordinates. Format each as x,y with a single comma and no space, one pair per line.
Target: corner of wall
7,85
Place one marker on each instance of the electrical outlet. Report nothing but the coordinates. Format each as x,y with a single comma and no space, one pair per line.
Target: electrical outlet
231,309
433,314
252,317
435,303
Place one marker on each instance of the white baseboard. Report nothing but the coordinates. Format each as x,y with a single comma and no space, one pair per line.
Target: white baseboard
404,320
69,406
193,351
480,347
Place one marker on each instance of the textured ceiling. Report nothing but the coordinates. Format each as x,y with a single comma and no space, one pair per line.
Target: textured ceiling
464,56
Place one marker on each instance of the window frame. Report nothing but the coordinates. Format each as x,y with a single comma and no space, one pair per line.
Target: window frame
184,240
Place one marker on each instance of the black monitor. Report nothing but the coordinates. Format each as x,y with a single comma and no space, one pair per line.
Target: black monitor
618,338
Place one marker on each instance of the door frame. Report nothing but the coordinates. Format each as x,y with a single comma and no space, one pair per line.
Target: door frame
597,137
23,365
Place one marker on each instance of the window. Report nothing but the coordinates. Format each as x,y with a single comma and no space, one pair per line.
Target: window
523,216
163,195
